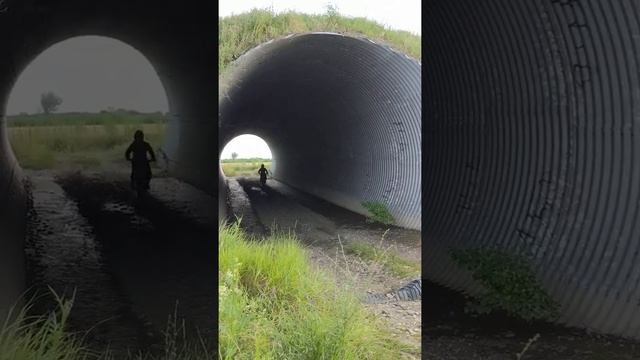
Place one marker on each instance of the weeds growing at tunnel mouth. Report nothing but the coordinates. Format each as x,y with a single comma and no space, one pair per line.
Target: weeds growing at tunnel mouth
509,285
42,337
273,305
378,213
33,338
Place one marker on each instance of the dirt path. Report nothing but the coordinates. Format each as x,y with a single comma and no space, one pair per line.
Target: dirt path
453,334
450,333
132,262
325,230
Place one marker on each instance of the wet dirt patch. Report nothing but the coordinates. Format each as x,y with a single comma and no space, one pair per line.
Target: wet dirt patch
61,253
450,333
153,254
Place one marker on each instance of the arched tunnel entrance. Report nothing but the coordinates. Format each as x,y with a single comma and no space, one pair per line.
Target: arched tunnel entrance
342,116
244,154
184,58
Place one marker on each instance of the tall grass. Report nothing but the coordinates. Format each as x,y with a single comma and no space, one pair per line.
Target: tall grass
239,33
103,118
272,305
86,146
24,337
249,168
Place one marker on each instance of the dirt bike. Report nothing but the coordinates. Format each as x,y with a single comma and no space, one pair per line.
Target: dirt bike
140,177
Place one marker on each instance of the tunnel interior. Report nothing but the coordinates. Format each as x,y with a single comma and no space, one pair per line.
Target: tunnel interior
182,57
531,147
530,129
342,116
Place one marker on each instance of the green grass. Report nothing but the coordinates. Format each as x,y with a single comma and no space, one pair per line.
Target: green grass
77,146
273,305
25,337
378,212
244,167
103,118
387,258
35,338
239,33
508,282
250,160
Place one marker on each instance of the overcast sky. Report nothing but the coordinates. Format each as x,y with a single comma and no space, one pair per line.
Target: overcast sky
247,146
90,73
401,14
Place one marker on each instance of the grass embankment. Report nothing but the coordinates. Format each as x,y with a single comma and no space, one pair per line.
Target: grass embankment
83,141
272,305
244,167
239,33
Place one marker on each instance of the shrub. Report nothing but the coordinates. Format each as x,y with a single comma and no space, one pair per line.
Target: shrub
508,282
378,213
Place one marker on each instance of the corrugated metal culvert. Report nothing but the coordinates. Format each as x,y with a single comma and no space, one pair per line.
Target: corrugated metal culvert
531,142
341,115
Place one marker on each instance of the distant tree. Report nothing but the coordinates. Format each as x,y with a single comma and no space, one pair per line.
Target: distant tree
234,155
50,102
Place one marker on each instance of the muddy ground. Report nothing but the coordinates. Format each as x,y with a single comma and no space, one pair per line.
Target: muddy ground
131,263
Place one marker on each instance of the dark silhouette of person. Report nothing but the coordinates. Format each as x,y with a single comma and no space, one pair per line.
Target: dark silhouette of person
263,174
140,168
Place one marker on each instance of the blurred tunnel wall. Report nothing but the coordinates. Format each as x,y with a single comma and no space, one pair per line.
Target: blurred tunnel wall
531,141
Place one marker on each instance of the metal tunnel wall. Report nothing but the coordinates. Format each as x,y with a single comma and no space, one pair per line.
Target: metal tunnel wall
531,145
341,115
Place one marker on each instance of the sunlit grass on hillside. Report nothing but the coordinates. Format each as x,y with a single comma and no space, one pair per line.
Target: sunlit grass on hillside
239,33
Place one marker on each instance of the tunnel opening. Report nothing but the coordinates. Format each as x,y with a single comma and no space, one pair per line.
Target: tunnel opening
87,234
243,156
78,207
76,106
342,115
